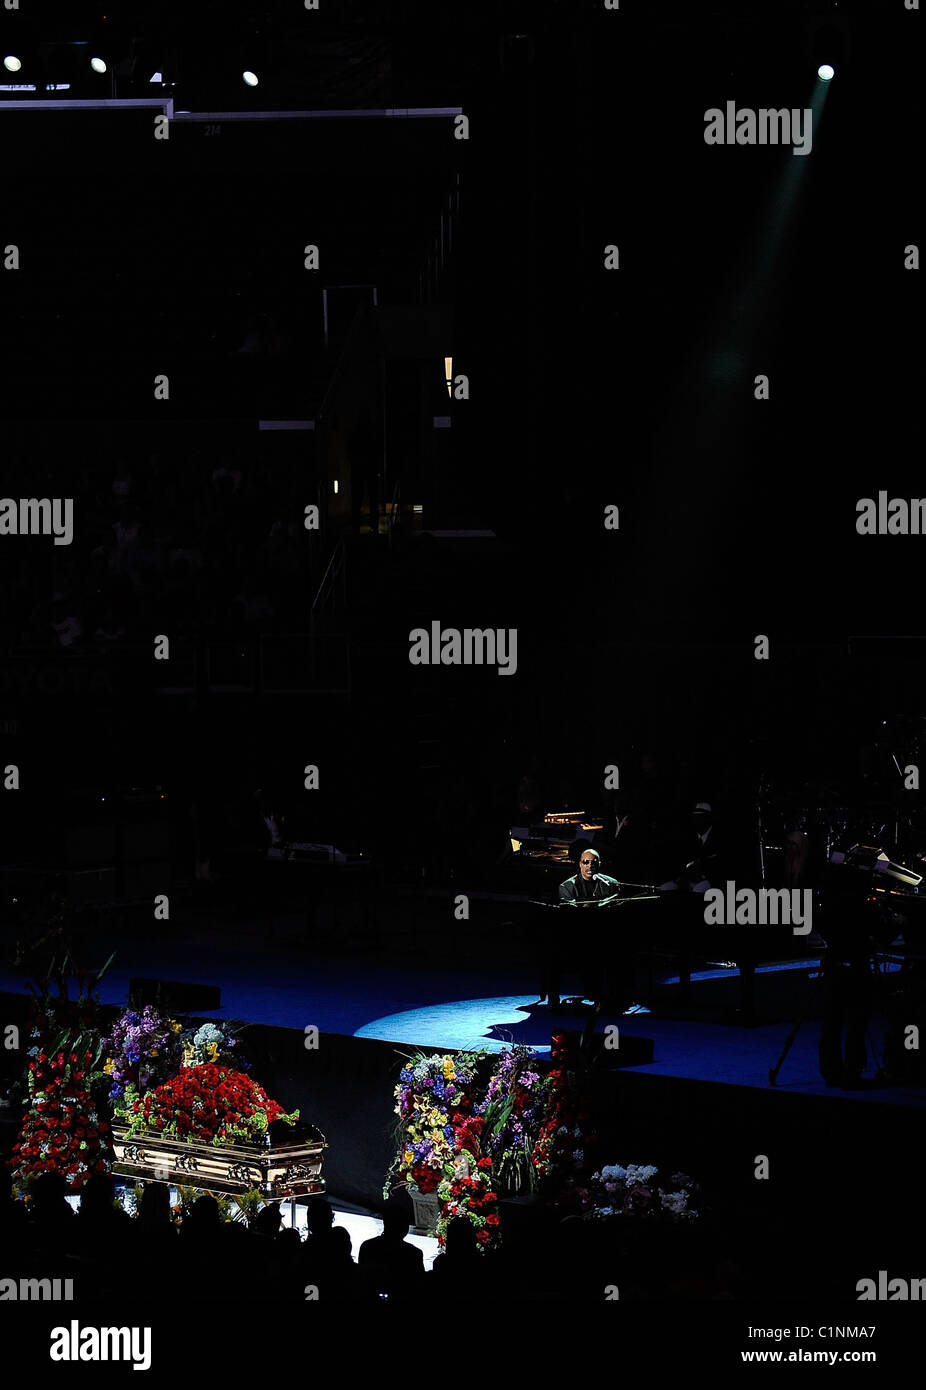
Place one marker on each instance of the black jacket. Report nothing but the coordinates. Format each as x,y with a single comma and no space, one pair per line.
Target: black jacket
603,886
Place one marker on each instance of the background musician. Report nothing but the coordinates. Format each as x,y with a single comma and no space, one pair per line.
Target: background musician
854,928
702,850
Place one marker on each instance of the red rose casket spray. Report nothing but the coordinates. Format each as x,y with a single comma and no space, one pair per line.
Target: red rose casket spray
62,1130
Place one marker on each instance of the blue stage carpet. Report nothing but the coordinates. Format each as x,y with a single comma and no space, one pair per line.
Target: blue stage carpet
412,1006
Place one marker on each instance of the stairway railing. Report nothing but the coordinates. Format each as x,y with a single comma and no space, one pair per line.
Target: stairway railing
334,573
394,511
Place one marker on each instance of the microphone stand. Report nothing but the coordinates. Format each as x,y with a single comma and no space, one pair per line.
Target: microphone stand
761,828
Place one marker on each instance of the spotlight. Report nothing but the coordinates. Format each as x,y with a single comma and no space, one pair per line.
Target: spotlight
249,78
825,72
97,64
12,63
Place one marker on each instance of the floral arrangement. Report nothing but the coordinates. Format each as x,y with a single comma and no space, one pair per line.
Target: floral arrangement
204,1103
212,1043
634,1191
143,1049
468,1137
242,1207
567,1139
467,1192
435,1101
187,1196
63,1130
248,1206
517,1100
132,1198
468,1140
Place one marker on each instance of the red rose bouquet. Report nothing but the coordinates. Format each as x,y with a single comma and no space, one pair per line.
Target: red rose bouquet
467,1192
565,1145
204,1104
62,1130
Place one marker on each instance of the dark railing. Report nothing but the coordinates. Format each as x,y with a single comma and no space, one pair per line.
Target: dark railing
333,584
267,663
395,509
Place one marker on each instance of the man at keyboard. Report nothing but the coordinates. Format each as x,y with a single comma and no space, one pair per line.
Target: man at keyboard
589,882
608,958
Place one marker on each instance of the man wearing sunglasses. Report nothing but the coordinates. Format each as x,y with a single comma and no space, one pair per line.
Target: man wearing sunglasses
589,882
607,967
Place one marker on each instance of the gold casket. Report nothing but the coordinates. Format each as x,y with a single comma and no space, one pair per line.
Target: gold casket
277,1172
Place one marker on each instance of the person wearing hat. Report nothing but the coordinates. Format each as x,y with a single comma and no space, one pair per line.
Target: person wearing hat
705,847
702,866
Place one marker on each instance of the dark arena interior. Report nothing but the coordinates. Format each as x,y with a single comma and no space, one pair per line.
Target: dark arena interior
463,677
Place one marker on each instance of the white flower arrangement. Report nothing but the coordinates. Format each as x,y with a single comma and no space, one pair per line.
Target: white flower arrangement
631,1191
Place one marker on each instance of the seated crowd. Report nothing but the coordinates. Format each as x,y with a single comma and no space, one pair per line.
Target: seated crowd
110,1255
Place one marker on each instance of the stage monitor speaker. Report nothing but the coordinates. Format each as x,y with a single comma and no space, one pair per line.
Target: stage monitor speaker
174,996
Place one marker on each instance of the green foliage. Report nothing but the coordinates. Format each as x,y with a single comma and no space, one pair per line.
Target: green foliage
249,1204
189,1195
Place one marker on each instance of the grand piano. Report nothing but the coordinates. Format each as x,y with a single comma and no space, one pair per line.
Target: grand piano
543,849
316,876
652,921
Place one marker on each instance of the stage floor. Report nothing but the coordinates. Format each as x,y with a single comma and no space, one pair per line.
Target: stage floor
412,1004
